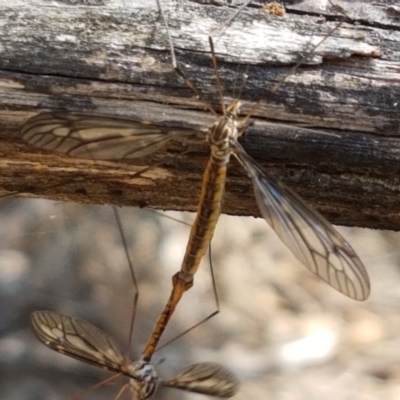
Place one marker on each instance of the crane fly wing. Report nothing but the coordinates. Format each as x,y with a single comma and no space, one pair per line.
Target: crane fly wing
310,237
97,137
78,339
206,378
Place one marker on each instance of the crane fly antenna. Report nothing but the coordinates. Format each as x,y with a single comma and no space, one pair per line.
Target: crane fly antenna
217,75
178,70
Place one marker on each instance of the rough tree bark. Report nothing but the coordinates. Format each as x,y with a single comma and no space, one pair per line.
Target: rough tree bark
113,58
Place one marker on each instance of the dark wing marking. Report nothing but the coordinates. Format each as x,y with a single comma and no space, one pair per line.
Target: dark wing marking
206,378
97,137
310,237
78,339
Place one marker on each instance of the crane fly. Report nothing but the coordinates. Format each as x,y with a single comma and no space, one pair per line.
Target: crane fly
309,236
84,341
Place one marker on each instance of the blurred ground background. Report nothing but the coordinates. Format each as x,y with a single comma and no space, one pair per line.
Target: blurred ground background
285,334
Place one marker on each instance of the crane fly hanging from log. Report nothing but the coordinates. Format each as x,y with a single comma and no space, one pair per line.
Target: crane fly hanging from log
309,236
83,341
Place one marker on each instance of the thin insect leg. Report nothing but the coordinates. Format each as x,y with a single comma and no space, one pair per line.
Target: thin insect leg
122,391
171,44
310,52
235,84
213,314
243,122
190,85
340,9
253,110
94,387
176,296
243,81
214,282
230,19
70,182
290,72
134,280
160,214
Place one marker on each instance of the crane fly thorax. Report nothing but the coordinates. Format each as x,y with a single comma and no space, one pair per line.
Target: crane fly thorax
221,134
144,379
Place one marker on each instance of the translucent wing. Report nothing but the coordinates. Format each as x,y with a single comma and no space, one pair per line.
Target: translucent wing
310,237
97,137
207,378
78,339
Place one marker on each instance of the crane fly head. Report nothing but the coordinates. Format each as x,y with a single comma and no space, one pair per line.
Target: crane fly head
224,130
144,379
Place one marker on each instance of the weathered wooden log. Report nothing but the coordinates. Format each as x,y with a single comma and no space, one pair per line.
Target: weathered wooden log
112,58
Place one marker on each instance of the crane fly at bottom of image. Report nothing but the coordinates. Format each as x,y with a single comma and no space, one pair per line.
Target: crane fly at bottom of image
81,340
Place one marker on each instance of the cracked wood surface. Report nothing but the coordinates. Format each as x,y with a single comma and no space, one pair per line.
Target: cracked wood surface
112,58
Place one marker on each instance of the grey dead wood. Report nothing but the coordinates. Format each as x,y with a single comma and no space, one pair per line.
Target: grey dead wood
112,57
